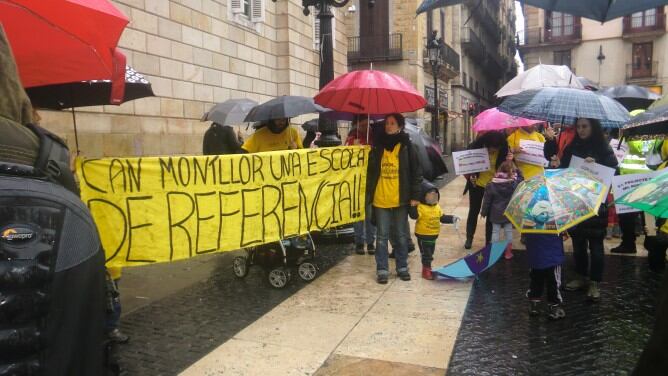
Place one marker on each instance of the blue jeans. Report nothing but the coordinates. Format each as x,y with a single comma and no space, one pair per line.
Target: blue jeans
388,220
365,231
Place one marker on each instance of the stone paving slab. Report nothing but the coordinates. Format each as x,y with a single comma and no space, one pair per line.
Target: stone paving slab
339,365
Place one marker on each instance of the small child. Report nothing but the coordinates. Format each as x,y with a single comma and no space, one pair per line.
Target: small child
497,195
546,254
428,225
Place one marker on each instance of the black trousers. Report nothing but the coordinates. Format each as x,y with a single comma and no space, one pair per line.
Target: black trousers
656,253
627,224
550,277
476,195
595,257
427,246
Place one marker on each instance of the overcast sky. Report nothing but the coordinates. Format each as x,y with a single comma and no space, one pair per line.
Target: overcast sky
519,25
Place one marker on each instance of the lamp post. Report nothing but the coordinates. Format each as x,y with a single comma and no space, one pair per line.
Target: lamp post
326,127
434,51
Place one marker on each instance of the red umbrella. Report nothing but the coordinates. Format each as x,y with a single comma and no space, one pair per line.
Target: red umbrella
60,41
370,92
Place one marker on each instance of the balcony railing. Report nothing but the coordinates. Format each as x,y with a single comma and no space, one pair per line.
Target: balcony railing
645,24
534,36
365,49
490,23
449,58
472,43
647,71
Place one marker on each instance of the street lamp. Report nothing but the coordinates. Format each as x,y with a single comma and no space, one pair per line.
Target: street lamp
434,51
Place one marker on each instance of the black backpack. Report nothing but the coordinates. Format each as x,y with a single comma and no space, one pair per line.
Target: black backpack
52,281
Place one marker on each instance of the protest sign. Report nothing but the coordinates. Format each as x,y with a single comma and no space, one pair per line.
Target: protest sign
600,172
161,209
471,161
619,150
532,153
622,184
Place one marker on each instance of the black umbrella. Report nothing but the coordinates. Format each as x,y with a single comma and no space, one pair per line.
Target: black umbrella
283,107
230,112
428,5
631,96
649,124
88,93
587,83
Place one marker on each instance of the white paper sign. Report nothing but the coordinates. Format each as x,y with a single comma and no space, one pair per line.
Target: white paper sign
624,183
471,161
532,153
620,151
600,172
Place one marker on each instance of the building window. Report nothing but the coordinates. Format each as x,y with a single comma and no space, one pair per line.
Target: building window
562,24
476,86
562,58
464,79
442,24
643,19
641,58
247,12
471,83
247,8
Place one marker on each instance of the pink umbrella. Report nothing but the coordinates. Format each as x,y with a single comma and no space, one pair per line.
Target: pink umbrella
494,120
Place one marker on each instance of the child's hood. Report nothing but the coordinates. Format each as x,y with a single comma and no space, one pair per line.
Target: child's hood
427,187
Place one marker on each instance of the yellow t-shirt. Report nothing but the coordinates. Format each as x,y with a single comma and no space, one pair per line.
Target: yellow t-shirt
528,170
486,176
387,190
428,220
264,140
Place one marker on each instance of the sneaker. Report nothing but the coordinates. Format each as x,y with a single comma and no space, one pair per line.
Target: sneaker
382,279
468,243
117,336
534,307
555,312
359,249
404,276
370,249
508,253
622,249
593,292
426,273
576,285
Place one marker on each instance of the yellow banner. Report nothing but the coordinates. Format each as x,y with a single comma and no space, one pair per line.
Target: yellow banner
160,209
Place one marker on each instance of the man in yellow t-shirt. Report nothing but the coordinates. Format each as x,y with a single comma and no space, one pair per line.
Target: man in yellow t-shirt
530,134
276,135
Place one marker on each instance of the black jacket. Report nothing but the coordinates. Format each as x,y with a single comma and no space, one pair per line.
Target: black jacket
410,171
602,153
496,199
221,139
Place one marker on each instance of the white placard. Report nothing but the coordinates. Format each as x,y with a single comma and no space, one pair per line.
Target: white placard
532,153
600,172
620,151
471,161
622,184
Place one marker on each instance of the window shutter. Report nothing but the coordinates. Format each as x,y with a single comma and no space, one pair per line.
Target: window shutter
237,6
257,11
316,33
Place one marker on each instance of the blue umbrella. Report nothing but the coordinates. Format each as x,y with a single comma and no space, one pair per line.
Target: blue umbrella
428,5
475,263
599,10
565,105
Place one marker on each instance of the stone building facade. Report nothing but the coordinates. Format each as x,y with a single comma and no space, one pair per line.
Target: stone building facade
626,50
197,53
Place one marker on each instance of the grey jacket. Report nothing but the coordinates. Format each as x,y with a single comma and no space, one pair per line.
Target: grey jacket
497,195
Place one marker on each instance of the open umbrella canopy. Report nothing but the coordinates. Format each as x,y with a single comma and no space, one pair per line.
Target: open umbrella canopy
588,84
554,202
599,10
475,263
493,120
630,96
652,123
428,5
565,105
370,92
663,101
230,112
89,93
285,106
60,41
651,196
542,75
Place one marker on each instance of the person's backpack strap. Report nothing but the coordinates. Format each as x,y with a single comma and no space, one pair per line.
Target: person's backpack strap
53,159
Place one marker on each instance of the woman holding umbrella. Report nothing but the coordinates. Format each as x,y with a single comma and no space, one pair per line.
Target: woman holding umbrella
393,182
591,145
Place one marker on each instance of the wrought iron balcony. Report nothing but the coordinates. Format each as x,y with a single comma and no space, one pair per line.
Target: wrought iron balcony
364,49
642,72
472,43
448,59
537,36
644,25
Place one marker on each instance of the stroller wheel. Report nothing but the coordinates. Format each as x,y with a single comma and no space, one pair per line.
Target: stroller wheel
307,271
279,277
240,266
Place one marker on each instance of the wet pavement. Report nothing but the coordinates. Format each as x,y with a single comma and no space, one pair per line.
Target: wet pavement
174,331
497,336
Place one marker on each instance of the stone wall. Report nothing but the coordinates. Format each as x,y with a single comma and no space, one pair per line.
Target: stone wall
194,54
